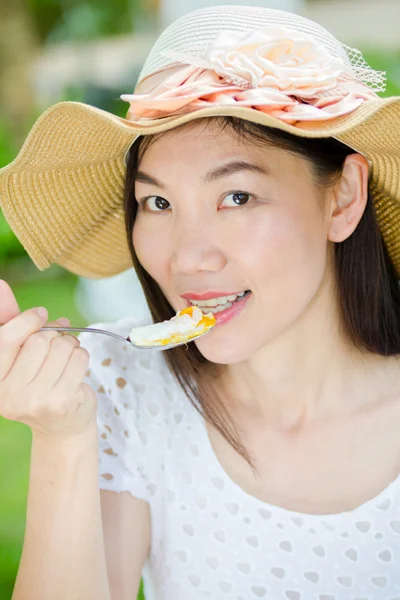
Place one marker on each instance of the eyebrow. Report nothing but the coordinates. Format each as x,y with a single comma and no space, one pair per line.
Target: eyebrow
233,167
214,175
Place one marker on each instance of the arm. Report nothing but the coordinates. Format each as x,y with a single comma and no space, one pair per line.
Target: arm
63,554
126,526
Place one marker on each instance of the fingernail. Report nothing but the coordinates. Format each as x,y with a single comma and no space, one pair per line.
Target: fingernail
63,321
42,312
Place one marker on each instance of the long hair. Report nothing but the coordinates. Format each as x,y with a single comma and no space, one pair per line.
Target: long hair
367,286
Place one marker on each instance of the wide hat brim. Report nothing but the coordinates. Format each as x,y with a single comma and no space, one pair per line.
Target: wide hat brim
63,194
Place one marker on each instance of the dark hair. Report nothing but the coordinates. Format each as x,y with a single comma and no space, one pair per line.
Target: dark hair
367,286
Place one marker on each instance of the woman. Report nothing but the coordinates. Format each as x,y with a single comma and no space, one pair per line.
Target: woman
262,461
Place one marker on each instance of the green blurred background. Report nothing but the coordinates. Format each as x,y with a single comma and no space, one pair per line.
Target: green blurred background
39,42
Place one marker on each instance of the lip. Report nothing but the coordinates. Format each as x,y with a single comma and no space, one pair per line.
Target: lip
207,295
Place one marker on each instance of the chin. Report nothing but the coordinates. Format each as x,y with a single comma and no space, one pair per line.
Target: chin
224,352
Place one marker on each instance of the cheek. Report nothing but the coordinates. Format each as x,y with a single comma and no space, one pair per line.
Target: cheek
284,258
285,250
152,250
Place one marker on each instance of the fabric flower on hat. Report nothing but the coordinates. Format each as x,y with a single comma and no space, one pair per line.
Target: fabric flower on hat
277,70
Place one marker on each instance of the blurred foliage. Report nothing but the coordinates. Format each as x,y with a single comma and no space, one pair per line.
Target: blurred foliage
68,20
10,246
389,62
72,20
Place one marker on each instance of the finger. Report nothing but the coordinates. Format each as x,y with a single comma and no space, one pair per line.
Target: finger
8,304
54,364
74,372
31,356
13,335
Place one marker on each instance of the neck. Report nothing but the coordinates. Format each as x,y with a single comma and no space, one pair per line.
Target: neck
310,372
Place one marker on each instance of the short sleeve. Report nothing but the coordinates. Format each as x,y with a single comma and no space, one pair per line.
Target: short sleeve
122,457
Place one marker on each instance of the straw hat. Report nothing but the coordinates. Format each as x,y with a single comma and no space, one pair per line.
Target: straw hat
62,195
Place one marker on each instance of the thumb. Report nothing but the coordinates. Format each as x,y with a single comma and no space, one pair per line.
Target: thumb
8,304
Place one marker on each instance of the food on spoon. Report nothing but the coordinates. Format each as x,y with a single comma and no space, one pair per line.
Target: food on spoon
184,326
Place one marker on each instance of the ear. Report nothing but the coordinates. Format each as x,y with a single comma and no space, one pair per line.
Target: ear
349,198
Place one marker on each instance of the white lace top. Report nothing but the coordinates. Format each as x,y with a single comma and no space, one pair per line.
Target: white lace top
209,538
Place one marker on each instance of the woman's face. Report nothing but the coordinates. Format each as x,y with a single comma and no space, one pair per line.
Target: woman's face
218,216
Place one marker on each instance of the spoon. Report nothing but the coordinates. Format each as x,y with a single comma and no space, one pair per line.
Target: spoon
147,347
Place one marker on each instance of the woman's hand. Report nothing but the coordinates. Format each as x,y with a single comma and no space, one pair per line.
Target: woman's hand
41,374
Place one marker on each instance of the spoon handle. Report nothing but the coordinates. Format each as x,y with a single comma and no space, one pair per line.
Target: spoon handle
127,340
89,329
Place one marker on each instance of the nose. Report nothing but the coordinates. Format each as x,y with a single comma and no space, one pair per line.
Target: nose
196,249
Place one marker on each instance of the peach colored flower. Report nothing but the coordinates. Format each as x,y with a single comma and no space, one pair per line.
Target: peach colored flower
276,70
276,58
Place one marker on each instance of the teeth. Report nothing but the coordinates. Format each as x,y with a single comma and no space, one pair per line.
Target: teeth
221,303
221,307
211,302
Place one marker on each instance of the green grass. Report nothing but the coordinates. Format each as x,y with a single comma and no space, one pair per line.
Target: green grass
57,295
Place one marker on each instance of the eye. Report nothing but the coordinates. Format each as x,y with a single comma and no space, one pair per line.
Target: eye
236,199
155,203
